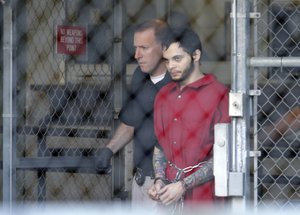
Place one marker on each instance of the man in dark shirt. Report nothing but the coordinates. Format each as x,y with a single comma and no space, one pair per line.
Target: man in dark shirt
136,116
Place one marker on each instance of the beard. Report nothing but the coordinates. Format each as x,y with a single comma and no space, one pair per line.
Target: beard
186,73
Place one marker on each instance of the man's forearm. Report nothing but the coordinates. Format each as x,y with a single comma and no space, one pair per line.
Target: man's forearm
159,163
122,136
201,176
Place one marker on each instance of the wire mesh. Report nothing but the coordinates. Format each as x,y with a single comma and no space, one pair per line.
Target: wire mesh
65,97
278,106
65,103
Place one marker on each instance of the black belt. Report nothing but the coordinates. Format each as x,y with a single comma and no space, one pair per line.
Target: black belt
140,175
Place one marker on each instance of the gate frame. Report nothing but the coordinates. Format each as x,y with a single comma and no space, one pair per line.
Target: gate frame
9,148
241,66
240,153
253,64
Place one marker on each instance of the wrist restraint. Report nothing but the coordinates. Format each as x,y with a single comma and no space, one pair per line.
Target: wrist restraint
165,181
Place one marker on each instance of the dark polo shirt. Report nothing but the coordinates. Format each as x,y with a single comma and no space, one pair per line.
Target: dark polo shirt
138,112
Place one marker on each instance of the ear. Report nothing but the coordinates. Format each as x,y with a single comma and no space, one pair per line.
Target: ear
197,55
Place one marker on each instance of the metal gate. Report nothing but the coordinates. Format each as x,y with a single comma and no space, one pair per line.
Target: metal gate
277,122
59,104
64,76
61,101
262,165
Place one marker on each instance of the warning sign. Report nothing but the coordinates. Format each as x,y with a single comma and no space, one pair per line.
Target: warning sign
71,40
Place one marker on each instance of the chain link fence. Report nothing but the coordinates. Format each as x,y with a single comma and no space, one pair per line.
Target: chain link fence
68,94
64,99
72,61
277,121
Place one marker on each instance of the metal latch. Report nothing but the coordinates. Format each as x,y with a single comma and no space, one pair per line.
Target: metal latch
254,154
254,92
227,183
252,15
236,101
221,162
236,184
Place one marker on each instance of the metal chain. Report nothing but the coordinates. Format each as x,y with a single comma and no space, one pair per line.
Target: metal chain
186,169
178,206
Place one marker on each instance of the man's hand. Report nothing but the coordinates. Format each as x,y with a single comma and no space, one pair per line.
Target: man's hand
171,193
102,162
154,189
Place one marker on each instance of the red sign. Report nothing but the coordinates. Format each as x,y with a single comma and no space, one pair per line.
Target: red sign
71,40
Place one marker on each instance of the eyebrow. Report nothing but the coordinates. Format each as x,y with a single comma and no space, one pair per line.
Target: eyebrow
178,56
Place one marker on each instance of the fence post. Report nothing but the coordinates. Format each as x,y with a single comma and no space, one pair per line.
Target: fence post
240,90
9,171
118,173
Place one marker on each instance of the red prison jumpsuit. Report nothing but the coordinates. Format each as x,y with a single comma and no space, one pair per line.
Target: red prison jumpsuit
184,124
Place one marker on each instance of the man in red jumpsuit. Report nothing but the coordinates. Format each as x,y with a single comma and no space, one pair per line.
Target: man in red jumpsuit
185,113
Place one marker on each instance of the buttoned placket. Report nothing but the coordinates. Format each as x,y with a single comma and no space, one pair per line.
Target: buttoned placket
175,120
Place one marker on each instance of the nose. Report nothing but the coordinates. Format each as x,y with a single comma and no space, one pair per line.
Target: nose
170,65
137,53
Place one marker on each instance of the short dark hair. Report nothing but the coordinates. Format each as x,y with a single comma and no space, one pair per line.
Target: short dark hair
186,37
158,25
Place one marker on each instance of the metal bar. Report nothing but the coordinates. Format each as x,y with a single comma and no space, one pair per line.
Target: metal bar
161,7
240,84
274,62
8,115
118,83
255,101
233,82
55,162
117,64
63,131
233,46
